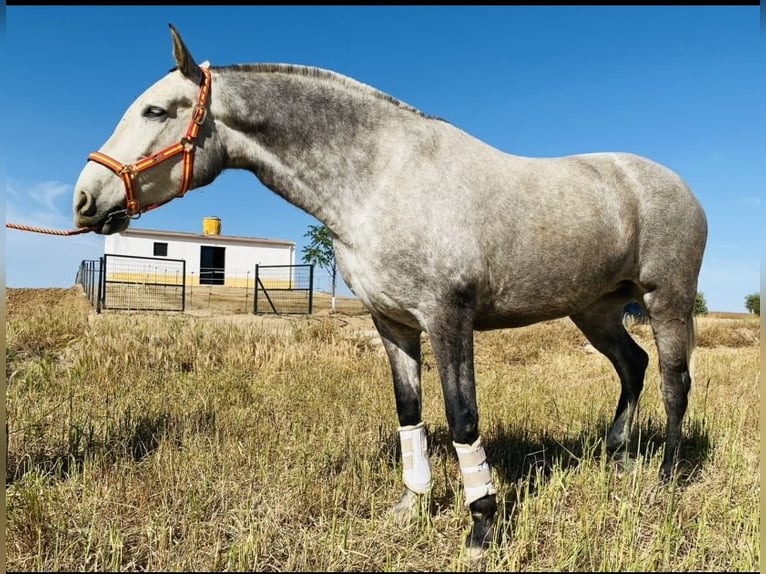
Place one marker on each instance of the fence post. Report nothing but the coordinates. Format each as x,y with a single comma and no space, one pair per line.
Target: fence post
101,283
183,286
311,287
91,284
89,281
95,278
255,294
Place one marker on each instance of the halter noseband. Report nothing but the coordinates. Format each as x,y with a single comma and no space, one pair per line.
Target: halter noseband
185,146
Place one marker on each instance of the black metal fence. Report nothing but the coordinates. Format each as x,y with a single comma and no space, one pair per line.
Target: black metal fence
144,283
283,289
90,277
122,282
126,282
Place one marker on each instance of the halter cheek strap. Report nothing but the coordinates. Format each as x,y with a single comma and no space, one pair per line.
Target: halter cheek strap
186,147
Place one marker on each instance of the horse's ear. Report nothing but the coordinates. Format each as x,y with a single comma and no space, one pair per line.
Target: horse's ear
184,59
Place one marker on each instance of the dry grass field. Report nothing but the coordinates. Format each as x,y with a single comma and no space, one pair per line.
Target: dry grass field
172,442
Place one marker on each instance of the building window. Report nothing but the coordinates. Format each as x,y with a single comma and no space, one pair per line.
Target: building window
160,249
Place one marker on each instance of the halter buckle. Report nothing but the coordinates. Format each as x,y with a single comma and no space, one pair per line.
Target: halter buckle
132,208
199,114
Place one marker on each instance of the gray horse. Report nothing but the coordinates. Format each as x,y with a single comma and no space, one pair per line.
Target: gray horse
434,231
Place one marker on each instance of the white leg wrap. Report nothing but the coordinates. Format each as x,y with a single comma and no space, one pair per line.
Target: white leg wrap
417,469
477,475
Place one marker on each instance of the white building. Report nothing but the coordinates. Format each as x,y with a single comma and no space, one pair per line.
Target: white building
211,258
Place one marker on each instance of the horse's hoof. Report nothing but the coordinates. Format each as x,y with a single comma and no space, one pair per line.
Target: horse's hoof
406,510
624,463
665,477
479,540
474,553
615,441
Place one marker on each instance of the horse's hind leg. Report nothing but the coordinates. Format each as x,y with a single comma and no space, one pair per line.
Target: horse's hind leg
402,345
673,325
602,326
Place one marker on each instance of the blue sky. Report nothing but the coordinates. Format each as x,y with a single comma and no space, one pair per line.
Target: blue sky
683,86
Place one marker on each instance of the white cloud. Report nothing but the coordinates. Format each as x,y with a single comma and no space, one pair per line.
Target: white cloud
40,260
753,200
46,193
43,204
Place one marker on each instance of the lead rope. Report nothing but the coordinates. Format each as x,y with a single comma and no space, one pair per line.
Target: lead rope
46,230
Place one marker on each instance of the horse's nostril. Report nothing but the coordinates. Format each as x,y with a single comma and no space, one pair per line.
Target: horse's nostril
85,204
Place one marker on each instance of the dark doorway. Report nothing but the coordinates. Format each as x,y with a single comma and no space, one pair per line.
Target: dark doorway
212,261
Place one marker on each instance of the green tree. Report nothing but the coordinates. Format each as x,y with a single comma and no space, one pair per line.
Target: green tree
753,303
700,306
320,252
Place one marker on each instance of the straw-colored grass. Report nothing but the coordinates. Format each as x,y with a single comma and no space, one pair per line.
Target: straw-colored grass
174,442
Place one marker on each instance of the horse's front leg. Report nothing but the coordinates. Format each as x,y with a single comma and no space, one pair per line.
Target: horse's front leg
452,342
402,344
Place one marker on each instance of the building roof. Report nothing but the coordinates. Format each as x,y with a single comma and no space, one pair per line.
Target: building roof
203,238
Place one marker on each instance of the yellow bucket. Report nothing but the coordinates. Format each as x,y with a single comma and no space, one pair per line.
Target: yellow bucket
211,226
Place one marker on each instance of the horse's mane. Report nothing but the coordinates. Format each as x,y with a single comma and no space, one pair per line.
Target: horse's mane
313,72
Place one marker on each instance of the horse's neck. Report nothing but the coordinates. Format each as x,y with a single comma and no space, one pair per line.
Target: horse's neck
318,145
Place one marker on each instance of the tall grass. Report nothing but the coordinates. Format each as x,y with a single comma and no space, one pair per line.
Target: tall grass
140,442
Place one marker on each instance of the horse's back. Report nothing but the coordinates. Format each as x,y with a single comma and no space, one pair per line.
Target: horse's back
524,239
629,200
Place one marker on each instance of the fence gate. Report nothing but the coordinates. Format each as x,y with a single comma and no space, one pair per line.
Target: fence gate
283,289
142,283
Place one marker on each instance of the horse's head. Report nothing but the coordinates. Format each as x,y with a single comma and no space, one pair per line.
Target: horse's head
150,156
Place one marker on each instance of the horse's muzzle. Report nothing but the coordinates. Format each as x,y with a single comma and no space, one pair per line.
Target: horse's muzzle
86,214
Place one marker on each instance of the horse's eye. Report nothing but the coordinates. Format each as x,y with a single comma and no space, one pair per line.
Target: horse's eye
154,113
